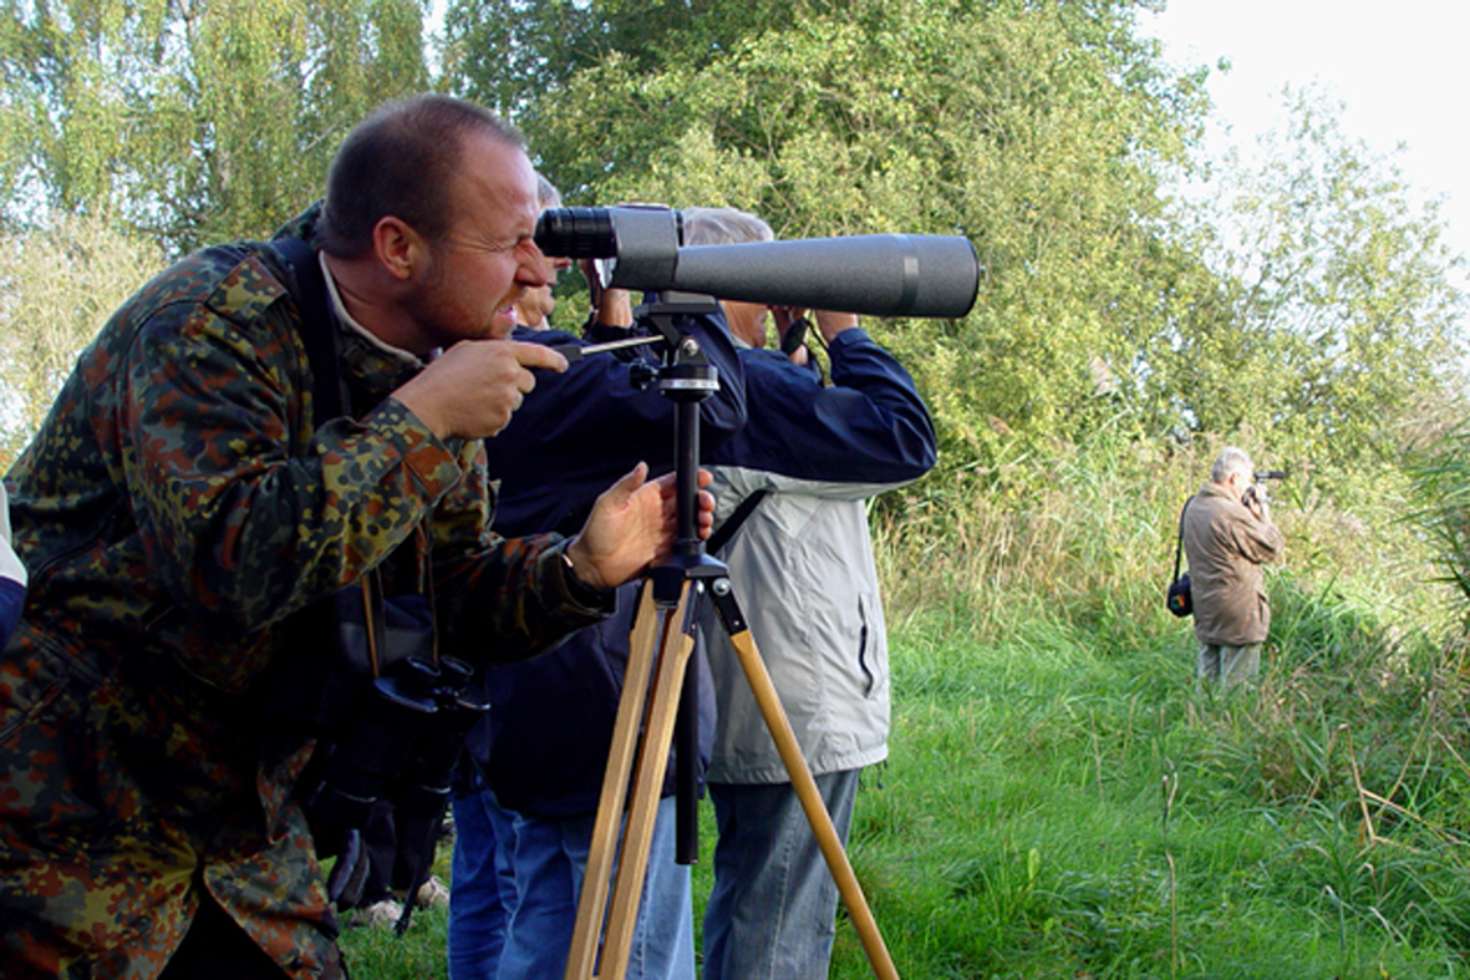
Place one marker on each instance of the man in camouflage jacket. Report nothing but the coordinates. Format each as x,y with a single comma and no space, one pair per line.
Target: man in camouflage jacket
181,505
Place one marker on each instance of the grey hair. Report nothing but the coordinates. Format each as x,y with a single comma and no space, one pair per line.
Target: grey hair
1231,460
723,226
547,196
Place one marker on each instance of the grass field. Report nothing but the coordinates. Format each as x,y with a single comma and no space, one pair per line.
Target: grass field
1061,801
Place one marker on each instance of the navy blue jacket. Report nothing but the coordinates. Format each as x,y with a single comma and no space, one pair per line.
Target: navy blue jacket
870,426
544,747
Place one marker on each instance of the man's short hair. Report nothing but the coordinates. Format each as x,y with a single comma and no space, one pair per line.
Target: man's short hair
1231,460
723,226
547,196
401,161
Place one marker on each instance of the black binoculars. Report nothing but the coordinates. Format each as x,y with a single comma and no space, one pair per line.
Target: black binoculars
402,746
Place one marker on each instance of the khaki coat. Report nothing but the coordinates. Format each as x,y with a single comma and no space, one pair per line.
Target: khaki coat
1226,545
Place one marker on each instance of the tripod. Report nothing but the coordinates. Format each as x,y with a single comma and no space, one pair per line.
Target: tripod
667,612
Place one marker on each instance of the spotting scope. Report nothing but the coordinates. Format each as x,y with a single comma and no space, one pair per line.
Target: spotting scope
876,275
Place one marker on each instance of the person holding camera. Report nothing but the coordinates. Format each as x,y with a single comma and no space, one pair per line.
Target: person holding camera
189,519
803,467
1228,535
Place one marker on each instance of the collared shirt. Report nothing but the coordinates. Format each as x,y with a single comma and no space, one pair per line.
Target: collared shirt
346,318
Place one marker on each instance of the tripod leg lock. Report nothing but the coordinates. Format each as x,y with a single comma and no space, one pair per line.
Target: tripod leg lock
724,599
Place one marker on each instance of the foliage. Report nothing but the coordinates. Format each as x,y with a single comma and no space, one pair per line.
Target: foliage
1336,319
57,287
1441,504
192,121
1309,310
1306,307
510,52
1015,126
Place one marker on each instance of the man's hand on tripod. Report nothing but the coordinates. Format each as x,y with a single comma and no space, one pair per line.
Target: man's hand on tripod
632,526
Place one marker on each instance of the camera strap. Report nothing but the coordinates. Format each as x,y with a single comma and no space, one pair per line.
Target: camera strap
727,530
1179,546
330,399
308,287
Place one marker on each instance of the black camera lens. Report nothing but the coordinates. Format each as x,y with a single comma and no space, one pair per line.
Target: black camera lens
576,233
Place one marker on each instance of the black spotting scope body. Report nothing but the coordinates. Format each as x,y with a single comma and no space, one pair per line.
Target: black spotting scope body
876,275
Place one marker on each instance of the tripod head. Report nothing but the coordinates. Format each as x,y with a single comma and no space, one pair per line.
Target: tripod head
686,377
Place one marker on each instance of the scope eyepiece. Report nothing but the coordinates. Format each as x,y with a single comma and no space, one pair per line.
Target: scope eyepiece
576,233
599,233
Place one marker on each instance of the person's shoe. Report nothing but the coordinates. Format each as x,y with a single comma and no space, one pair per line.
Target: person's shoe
382,914
433,894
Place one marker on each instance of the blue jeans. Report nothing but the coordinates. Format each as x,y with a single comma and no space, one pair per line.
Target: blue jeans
547,859
482,891
772,914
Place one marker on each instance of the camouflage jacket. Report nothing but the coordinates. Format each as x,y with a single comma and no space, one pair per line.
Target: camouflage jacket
176,508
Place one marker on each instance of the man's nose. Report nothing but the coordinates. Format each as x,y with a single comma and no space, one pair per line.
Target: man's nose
534,268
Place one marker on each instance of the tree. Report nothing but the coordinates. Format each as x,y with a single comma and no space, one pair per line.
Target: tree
194,120
1336,318
1038,130
59,285
1053,136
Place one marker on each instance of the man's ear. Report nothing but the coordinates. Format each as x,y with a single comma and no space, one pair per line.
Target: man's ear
398,248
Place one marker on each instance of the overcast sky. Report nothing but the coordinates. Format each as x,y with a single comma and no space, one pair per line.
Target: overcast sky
1400,69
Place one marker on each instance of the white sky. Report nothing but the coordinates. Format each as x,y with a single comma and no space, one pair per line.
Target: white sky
1401,69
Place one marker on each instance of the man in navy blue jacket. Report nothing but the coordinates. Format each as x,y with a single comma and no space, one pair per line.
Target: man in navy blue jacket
522,837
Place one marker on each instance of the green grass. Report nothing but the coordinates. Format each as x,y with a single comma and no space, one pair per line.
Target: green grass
1063,802
1052,811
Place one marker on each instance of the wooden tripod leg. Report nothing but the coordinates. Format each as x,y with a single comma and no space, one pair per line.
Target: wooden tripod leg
653,761
811,802
582,957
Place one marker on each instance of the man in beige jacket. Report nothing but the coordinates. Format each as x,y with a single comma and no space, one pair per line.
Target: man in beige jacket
1228,534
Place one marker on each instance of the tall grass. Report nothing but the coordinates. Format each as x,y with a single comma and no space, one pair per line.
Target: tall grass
1327,805
1441,475
1087,537
1062,800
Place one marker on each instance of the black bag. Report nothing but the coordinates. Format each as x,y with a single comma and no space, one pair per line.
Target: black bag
1178,599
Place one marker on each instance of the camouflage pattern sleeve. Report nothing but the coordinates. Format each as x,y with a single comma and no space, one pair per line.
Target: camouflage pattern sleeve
515,590
238,525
